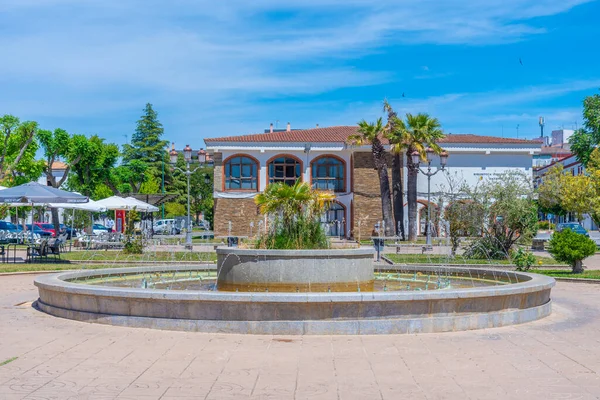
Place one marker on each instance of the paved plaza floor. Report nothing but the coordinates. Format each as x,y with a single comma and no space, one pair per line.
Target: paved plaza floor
558,357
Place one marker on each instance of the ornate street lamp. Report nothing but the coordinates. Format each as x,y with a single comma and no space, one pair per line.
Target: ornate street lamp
416,159
187,155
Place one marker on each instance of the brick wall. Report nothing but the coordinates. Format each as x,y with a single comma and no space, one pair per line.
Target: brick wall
367,196
240,212
218,172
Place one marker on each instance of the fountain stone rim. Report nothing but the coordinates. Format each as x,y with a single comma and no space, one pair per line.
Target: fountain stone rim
60,282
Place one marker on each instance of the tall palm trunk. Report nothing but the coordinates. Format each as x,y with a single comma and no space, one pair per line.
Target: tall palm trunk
412,196
384,185
398,193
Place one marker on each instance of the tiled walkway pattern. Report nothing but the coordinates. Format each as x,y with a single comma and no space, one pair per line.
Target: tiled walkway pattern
558,357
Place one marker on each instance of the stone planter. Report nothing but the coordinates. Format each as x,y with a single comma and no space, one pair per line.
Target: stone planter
294,270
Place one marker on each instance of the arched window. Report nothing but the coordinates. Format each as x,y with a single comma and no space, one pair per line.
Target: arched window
241,173
285,169
328,174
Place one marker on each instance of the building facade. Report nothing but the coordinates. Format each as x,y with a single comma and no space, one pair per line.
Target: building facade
245,165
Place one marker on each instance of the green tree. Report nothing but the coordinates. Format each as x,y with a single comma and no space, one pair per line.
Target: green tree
572,248
509,215
372,133
201,194
150,185
60,146
174,209
147,145
95,168
395,130
18,147
421,132
551,191
584,140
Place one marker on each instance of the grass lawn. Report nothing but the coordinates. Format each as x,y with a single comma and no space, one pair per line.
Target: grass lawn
114,255
589,274
23,267
439,259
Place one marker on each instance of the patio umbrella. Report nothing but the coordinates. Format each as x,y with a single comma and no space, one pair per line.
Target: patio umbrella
128,204
91,205
34,193
142,206
30,194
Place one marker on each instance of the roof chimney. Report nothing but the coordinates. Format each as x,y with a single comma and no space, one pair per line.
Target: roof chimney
289,127
271,127
317,125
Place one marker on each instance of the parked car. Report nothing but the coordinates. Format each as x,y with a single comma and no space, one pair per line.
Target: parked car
98,229
166,227
36,229
47,227
10,227
574,226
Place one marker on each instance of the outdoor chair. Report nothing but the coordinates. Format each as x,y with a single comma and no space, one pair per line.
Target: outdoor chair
53,248
37,250
63,241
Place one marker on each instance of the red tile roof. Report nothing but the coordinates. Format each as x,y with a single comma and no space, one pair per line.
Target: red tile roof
341,133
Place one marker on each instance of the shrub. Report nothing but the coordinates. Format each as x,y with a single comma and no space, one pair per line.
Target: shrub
523,260
486,247
545,225
295,213
133,245
572,248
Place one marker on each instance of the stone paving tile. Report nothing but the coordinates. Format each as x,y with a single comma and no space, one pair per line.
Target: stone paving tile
558,357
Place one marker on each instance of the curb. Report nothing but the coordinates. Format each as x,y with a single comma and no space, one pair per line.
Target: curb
496,266
578,280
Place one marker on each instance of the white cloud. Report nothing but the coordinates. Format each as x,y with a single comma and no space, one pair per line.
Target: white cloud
72,58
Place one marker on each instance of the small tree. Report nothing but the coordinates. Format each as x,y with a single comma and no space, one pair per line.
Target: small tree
295,213
572,248
510,215
133,242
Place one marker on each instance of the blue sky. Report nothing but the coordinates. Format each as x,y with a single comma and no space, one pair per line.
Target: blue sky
213,69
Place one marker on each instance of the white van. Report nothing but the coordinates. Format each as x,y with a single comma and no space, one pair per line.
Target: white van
166,227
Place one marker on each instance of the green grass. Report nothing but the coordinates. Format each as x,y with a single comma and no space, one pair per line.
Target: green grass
589,274
116,256
440,259
8,361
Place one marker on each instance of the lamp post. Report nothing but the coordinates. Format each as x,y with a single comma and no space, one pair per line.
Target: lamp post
201,159
416,158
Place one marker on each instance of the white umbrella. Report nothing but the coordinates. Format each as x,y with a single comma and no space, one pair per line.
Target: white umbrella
142,206
128,204
115,203
89,206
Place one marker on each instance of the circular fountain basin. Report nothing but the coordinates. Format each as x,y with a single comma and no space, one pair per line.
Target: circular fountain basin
500,298
294,270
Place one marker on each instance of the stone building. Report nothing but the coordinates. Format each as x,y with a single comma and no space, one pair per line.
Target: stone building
245,165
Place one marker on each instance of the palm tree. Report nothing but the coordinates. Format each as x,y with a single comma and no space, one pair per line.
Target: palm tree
422,132
372,133
395,131
296,211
